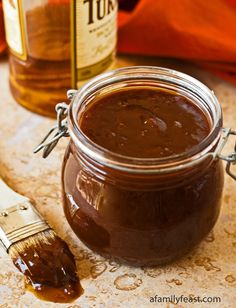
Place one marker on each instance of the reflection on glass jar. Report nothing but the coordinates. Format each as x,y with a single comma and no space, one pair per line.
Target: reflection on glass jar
143,225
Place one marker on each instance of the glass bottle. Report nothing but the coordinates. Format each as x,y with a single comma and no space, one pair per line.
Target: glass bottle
56,44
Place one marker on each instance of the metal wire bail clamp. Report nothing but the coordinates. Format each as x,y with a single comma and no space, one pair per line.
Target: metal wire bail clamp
231,158
58,131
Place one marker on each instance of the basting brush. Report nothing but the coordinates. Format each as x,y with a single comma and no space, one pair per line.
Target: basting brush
45,259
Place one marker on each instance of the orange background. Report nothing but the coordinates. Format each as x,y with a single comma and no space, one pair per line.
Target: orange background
198,30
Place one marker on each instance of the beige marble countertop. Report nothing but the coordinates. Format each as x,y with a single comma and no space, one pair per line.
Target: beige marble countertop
210,270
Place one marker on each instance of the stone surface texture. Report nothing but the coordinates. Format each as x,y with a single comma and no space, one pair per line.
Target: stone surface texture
210,270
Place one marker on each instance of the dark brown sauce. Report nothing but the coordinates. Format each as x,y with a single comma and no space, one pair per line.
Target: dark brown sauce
144,218
49,269
146,123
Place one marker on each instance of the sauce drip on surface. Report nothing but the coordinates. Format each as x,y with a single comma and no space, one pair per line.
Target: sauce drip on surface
49,269
145,123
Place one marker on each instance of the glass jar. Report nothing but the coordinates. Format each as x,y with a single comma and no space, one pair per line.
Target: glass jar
142,211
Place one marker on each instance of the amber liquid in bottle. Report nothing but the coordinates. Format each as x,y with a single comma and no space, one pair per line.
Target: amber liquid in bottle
41,81
53,42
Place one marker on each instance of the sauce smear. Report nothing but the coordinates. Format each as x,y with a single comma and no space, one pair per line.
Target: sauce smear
49,268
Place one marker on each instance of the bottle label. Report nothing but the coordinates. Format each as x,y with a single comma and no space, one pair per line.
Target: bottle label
94,34
14,26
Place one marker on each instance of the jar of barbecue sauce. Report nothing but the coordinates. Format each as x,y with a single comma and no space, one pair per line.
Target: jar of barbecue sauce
142,176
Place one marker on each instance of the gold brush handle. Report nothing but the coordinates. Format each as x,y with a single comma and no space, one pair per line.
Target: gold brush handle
18,218
9,197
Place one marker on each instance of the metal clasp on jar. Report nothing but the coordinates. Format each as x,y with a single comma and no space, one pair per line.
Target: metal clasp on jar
61,130
230,158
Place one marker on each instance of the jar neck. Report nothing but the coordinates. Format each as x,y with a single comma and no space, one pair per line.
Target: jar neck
141,76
